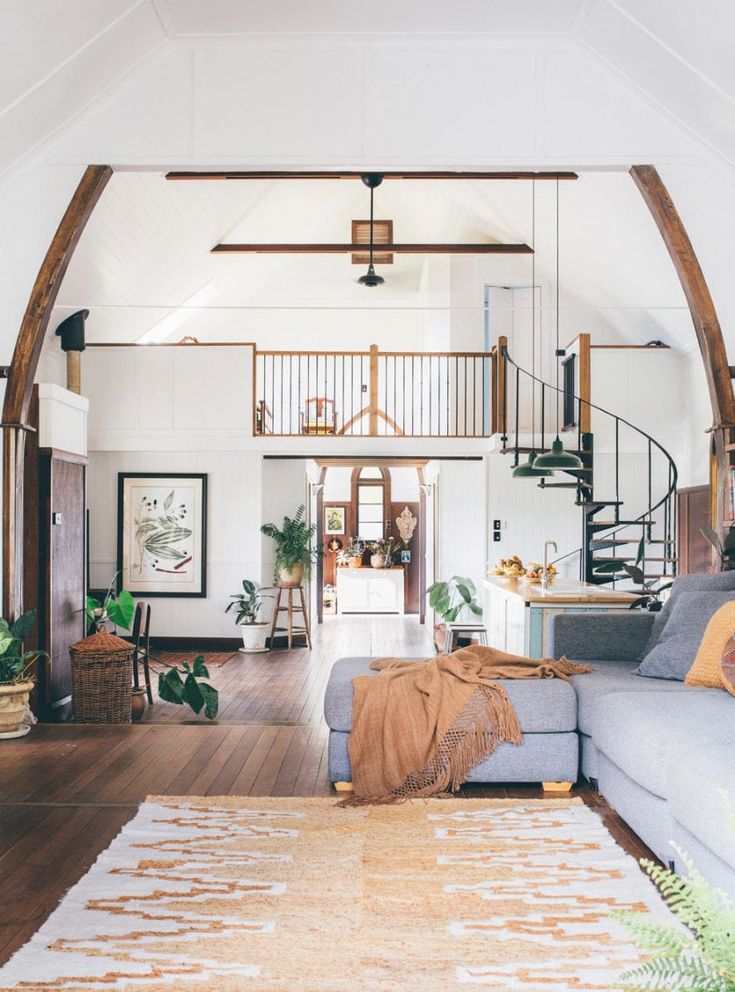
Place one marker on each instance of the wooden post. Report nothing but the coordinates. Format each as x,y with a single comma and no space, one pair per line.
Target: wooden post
373,405
500,389
585,383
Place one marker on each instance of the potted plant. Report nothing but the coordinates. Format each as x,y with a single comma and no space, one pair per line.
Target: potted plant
352,555
248,604
16,681
294,553
649,593
725,547
381,552
449,599
118,609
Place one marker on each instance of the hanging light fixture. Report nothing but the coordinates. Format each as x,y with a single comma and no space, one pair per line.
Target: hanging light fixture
372,180
528,470
558,460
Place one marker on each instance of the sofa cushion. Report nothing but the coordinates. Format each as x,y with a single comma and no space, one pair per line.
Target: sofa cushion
673,654
714,665
612,676
543,706
717,582
697,780
644,733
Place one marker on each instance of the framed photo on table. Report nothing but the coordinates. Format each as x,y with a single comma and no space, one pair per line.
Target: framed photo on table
162,533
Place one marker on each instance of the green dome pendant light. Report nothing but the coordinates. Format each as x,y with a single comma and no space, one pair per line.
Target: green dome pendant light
528,469
558,460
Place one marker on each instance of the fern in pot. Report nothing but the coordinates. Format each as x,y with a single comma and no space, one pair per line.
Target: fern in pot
294,551
248,604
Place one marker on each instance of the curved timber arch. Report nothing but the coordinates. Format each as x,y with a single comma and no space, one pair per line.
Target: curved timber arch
48,282
705,320
23,372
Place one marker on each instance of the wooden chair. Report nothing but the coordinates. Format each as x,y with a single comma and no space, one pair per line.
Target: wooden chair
141,646
318,416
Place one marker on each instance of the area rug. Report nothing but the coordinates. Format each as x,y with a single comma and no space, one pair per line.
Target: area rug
271,895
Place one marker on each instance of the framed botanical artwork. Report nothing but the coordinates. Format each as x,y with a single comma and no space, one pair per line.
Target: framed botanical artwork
162,533
334,520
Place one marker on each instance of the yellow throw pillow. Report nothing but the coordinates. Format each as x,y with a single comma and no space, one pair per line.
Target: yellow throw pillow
714,665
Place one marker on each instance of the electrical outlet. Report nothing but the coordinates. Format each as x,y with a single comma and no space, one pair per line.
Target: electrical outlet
56,518
497,524
496,535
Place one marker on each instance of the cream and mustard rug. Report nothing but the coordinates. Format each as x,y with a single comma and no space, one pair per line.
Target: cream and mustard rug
297,895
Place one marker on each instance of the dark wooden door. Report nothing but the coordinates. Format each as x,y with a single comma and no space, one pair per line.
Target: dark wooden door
694,511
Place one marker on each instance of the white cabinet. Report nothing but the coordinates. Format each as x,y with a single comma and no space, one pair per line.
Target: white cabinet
370,590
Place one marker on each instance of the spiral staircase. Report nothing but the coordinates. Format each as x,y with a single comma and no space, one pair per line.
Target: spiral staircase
628,515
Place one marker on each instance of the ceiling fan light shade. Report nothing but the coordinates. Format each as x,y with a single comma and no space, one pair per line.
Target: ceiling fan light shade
528,469
371,278
557,459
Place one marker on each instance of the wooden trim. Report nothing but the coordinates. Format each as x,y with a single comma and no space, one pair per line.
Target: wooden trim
704,317
59,455
350,460
585,383
644,347
23,371
284,174
348,248
320,544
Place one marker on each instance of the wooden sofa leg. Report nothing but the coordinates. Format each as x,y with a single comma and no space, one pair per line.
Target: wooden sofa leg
344,787
557,786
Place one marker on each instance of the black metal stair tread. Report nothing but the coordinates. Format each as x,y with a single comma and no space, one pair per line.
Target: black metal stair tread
621,523
613,542
602,502
565,485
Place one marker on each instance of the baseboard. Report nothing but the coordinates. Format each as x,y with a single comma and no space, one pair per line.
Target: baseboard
195,643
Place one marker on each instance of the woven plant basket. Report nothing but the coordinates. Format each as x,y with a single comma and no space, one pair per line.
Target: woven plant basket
101,677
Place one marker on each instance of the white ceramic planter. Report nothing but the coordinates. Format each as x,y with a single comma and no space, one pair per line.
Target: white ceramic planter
13,701
254,636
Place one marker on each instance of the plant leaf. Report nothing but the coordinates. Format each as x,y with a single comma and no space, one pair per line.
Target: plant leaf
200,669
170,554
168,501
211,700
635,573
168,535
464,592
23,625
170,687
610,567
193,694
122,610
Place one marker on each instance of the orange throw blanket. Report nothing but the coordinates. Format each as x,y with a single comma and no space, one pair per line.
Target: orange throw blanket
419,727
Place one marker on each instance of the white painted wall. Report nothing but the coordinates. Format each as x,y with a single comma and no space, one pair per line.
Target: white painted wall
461,520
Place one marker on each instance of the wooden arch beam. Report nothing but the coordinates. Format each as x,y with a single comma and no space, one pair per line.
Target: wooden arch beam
704,317
23,372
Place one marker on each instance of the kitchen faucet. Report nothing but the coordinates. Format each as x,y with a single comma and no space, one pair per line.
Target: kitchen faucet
545,573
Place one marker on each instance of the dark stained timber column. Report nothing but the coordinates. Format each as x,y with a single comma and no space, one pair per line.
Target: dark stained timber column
704,317
23,371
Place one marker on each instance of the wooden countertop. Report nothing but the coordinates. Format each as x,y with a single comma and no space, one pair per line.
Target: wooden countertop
559,591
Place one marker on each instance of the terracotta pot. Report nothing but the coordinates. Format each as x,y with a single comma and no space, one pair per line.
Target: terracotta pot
138,703
254,636
291,576
378,561
355,562
13,701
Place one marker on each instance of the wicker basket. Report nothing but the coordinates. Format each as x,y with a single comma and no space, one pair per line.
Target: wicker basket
101,677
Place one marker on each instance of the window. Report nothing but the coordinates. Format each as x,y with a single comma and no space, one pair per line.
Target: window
370,496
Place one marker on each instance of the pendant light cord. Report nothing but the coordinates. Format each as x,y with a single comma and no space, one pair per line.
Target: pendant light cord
533,312
372,190
557,306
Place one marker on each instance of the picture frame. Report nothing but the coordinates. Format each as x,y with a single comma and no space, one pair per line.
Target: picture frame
334,520
405,557
162,534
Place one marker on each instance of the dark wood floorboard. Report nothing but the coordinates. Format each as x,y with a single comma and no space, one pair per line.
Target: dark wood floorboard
67,790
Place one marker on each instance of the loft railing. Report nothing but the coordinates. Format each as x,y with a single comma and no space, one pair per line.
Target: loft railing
375,394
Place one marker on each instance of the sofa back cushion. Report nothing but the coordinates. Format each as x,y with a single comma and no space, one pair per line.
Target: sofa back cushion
716,582
714,665
673,654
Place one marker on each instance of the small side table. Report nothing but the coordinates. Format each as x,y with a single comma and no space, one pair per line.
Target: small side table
453,630
290,608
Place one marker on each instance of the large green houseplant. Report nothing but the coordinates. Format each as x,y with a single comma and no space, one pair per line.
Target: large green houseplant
294,551
449,600
16,678
248,604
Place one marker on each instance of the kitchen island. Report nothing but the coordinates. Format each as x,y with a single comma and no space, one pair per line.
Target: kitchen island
517,612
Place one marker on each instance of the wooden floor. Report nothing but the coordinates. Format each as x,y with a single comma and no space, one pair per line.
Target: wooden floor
65,791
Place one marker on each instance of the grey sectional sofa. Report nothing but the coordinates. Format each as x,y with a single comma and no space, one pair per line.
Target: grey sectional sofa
661,752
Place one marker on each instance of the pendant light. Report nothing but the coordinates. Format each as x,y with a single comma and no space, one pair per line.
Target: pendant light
558,460
371,180
528,470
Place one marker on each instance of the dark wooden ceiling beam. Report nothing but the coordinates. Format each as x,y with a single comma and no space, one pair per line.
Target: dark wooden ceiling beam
467,176
349,248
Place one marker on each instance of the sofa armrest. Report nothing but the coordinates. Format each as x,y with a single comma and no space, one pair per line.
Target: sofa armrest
614,636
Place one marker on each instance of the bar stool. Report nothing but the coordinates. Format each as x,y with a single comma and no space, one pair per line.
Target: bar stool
453,630
142,646
290,608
